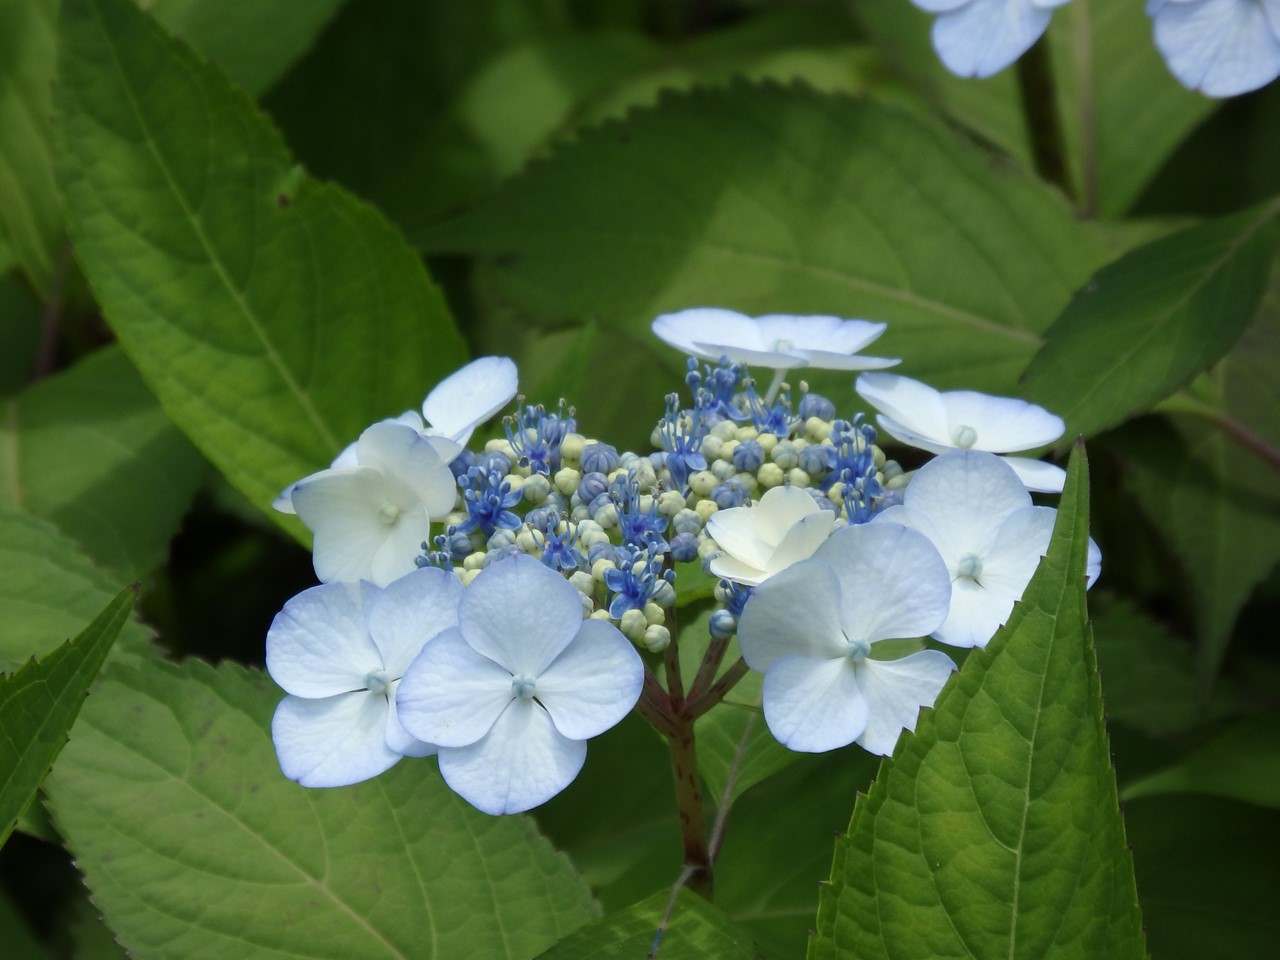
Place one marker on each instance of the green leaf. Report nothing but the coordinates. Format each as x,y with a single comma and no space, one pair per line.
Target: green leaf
90,450
1145,325
769,199
696,930
19,942
777,846
733,738
30,217
1122,113
1206,868
40,702
1148,675
274,317
254,41
19,333
194,844
1241,763
49,591
995,831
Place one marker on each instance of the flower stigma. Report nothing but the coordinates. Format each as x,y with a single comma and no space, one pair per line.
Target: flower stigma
378,681
523,687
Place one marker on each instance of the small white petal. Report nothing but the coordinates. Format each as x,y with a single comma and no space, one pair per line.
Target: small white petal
397,555
451,695
939,6
332,742
410,611
908,406
470,396
1093,564
769,359
795,613
895,690
521,614
1001,424
398,738
594,682
814,705
824,360
343,508
411,465
966,496
893,582
730,568
984,37
524,761
319,644
976,614
1037,475
805,536
1220,47
685,328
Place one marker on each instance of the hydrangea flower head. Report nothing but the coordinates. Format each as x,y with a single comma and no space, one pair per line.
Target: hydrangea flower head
975,510
811,629
371,520
920,416
785,526
776,341
1220,47
979,38
339,651
514,691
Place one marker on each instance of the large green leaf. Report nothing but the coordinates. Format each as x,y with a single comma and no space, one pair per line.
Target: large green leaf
766,199
1214,500
194,844
254,41
49,591
1207,871
1122,114
995,830
40,702
274,317
90,450
29,214
696,930
1241,763
1145,325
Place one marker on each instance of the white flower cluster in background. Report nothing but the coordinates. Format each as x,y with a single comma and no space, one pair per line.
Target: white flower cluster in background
1221,48
498,606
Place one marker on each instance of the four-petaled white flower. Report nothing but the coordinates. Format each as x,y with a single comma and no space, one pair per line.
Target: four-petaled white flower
371,520
812,628
978,38
513,692
977,513
785,526
339,651
1220,47
450,414
920,416
777,341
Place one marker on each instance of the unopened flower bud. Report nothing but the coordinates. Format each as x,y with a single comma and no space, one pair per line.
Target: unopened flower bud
656,638
770,475
633,625
722,625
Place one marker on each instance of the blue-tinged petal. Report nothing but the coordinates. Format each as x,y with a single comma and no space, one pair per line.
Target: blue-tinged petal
895,690
524,761
451,695
594,682
893,582
814,705
410,611
998,424
411,464
793,613
398,738
319,644
984,37
332,742
940,6
910,409
684,329
1220,47
470,396
1037,475
520,614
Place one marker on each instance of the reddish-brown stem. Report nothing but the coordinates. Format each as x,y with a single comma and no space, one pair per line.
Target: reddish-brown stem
716,692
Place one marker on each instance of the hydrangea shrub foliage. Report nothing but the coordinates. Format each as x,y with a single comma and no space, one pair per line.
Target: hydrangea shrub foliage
611,480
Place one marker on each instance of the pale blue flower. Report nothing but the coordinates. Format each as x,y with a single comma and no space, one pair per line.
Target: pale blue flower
811,630
513,692
1220,47
339,651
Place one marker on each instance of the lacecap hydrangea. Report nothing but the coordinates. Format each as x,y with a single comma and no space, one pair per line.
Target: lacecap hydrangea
498,604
